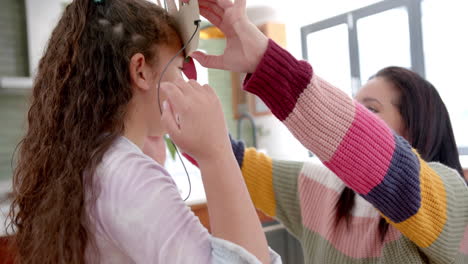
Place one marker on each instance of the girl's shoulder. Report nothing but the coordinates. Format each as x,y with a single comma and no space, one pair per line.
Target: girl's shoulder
124,158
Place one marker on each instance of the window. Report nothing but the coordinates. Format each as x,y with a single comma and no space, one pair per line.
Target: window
329,53
427,36
445,50
383,40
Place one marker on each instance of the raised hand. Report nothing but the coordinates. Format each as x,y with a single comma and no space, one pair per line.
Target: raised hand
245,45
193,117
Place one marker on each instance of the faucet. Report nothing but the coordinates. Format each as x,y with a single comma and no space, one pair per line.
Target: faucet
254,129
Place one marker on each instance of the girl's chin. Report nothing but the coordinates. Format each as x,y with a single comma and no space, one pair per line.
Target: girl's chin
154,138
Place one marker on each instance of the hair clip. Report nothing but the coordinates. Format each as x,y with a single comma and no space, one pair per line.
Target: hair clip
98,1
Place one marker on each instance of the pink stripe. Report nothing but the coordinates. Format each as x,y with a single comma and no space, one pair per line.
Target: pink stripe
464,243
364,155
319,132
360,240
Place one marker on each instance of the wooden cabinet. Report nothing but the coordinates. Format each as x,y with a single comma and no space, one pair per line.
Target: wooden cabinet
277,236
6,253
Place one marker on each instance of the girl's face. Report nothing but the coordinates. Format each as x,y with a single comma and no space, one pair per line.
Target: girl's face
381,97
173,72
145,96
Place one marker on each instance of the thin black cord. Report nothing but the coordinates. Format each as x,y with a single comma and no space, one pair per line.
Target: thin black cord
197,24
186,172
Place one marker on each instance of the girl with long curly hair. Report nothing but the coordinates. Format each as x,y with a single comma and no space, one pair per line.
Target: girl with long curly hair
83,190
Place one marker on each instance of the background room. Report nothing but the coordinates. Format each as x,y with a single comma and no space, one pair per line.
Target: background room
346,42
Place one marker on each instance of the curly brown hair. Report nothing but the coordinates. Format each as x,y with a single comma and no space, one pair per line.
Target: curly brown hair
79,101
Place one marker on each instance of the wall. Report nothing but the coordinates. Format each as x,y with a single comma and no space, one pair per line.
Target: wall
12,120
296,14
43,15
13,42
41,18
276,139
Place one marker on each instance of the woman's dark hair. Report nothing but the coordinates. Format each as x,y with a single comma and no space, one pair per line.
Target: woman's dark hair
427,124
79,101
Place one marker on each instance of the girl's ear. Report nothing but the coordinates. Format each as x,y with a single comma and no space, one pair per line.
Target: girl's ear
140,72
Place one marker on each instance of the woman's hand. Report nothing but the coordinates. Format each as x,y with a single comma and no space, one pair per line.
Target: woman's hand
245,45
155,148
193,116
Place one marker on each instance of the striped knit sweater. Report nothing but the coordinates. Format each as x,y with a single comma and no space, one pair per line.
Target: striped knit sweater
425,203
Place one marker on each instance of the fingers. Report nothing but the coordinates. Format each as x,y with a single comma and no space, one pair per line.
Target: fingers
213,6
226,3
212,11
240,4
171,6
213,14
174,94
210,16
208,61
185,87
194,84
168,120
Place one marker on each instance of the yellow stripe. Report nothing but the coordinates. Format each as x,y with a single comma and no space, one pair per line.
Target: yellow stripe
257,170
425,226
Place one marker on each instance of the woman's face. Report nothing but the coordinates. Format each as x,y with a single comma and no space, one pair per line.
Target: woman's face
381,97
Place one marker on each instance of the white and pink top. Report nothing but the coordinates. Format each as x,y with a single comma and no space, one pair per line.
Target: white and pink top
139,216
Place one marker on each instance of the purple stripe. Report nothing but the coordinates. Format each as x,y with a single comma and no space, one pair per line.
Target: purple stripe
398,196
238,148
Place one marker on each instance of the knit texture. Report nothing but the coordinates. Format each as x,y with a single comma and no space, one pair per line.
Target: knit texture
264,169
425,203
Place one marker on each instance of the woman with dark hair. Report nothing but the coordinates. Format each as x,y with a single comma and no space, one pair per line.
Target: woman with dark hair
393,146
84,192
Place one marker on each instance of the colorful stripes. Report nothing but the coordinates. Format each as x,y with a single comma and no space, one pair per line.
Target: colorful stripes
427,204
310,106
361,160
398,195
425,226
380,165
359,239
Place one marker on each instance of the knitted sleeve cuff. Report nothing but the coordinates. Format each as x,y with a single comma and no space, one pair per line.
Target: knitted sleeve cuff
279,80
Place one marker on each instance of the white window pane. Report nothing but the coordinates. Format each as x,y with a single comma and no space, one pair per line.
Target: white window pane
445,47
383,41
329,55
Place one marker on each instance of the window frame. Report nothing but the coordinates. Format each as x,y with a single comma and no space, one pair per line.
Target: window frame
351,18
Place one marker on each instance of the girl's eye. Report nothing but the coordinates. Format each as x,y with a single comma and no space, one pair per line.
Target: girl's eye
182,73
373,110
